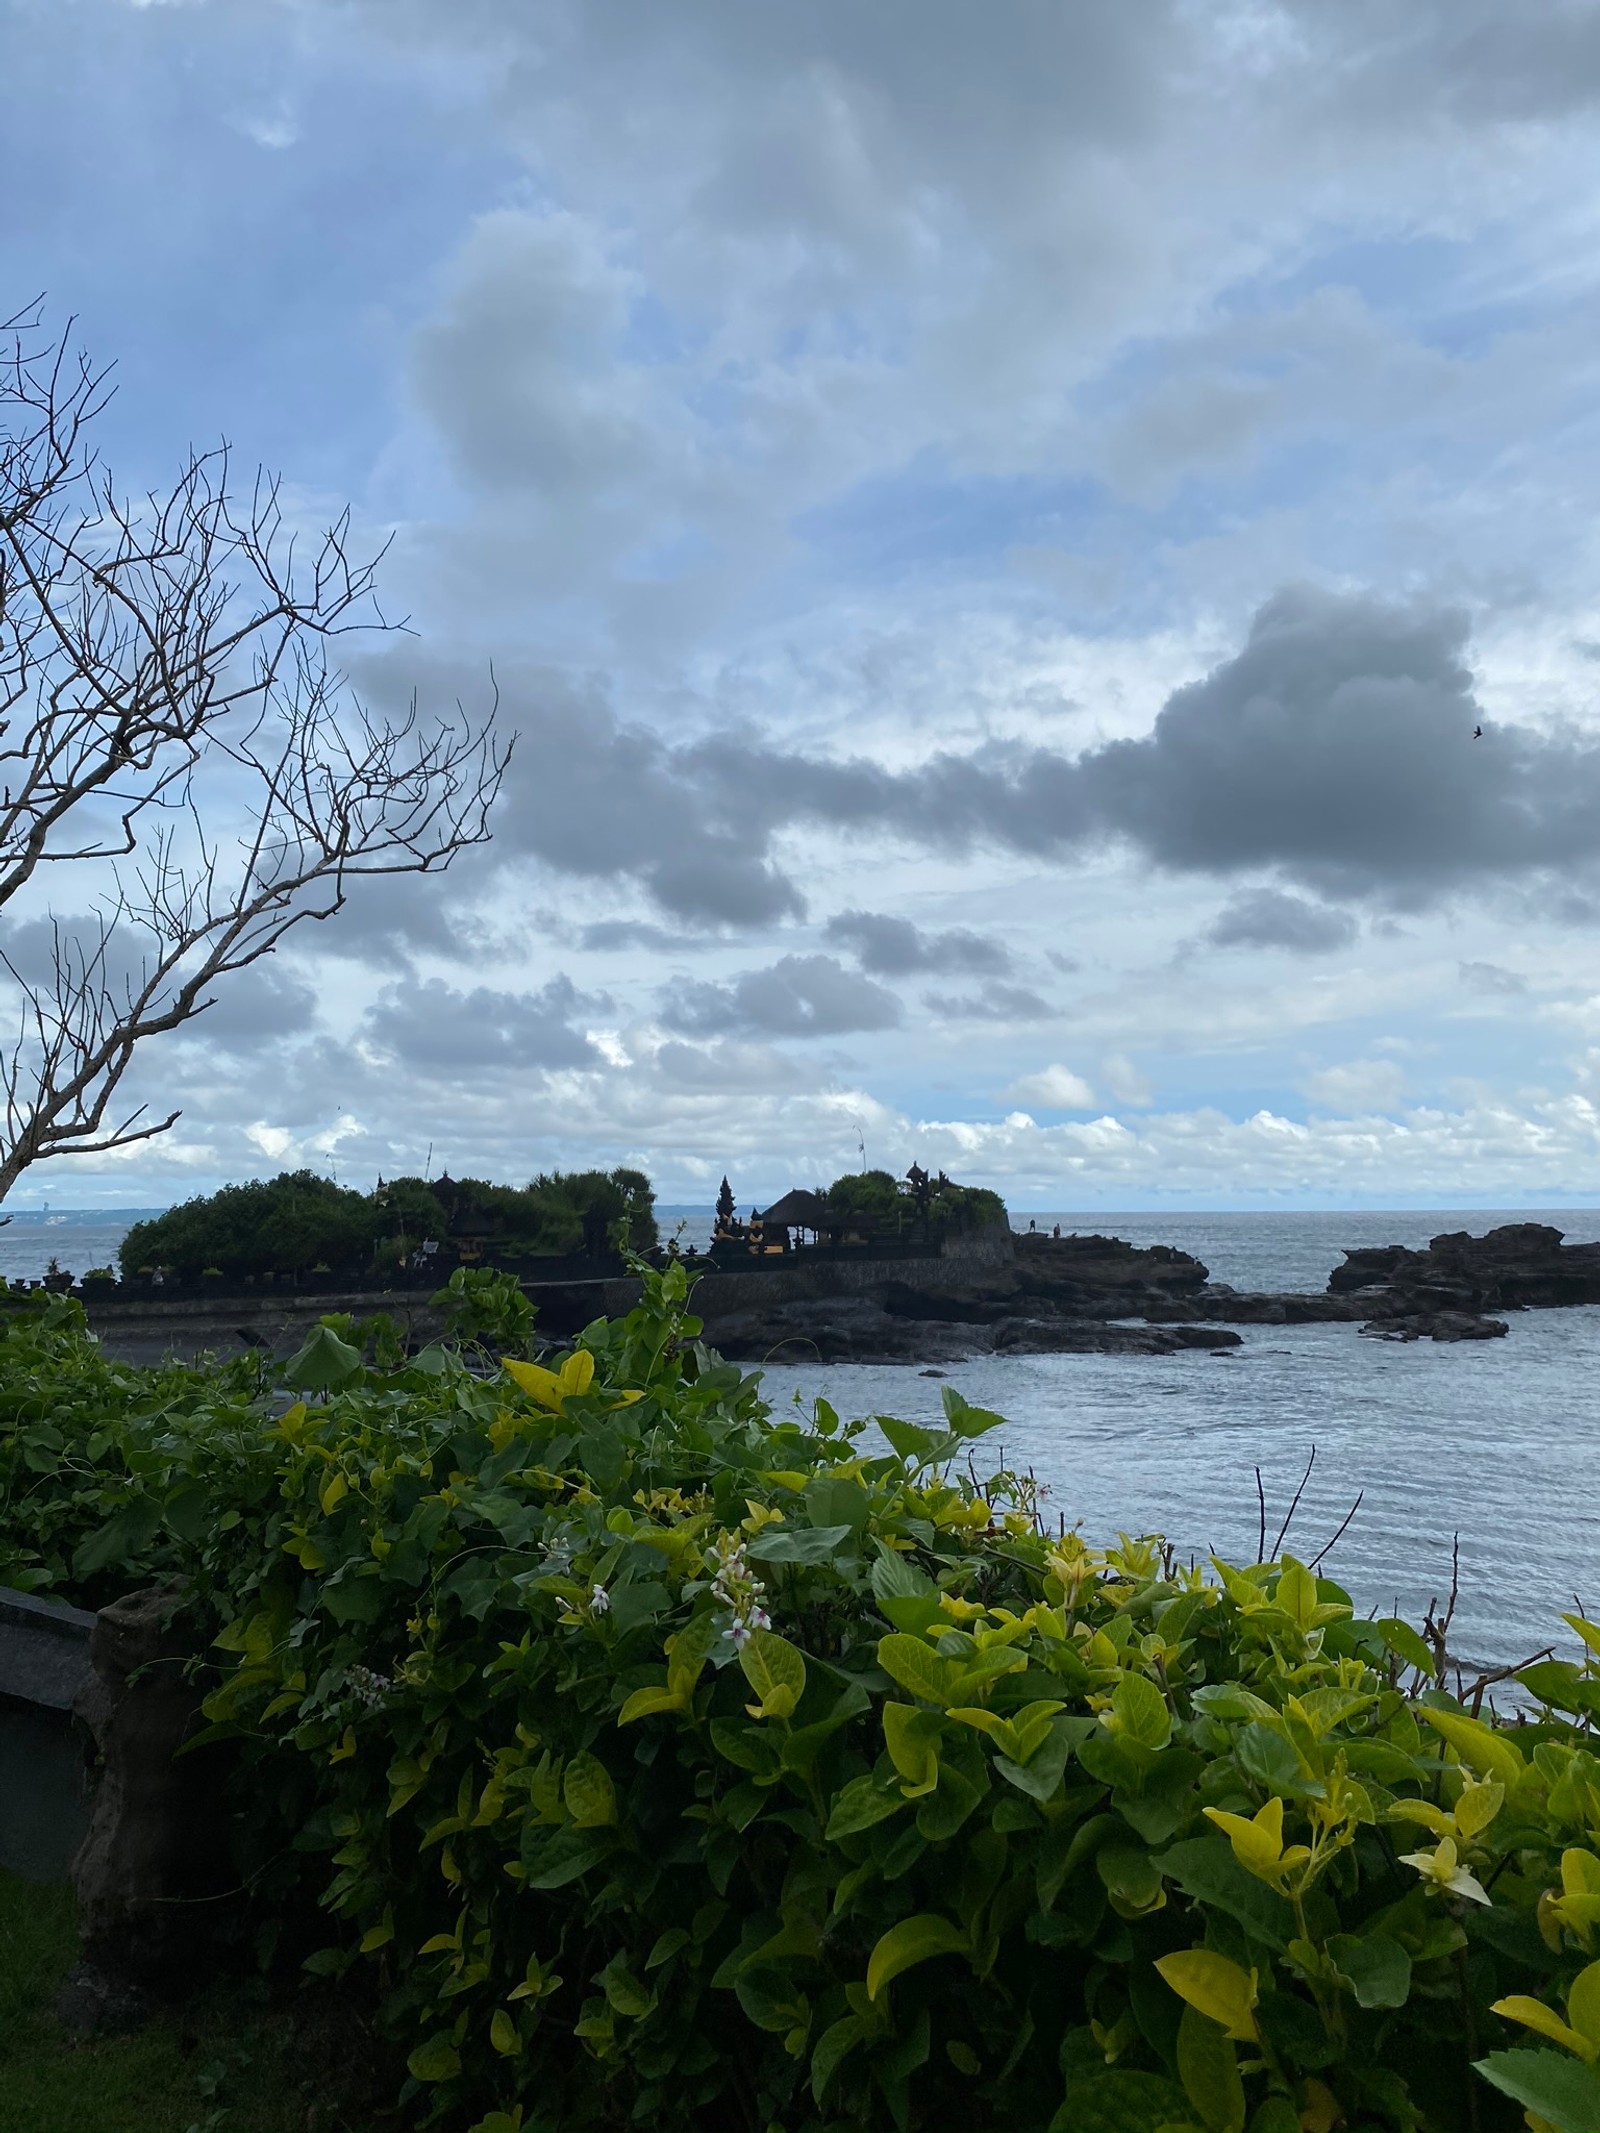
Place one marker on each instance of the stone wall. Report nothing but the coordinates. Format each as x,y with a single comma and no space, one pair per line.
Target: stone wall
146,1330
44,1765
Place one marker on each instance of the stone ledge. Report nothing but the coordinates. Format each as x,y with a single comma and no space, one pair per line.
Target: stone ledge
44,1650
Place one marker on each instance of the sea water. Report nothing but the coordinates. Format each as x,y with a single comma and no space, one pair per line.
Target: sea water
1490,1445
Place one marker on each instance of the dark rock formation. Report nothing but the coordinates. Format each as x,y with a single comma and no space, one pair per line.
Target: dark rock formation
1437,1326
1521,1266
1058,1297
1076,1295
157,1846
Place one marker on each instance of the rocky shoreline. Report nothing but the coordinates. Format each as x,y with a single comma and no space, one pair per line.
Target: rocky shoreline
1102,1296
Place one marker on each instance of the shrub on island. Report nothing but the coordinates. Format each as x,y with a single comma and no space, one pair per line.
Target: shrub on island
299,1222
670,1761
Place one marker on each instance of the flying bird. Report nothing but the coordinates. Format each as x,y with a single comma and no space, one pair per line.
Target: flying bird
1477,733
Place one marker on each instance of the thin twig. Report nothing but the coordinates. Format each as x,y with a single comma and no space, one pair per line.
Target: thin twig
1344,1527
1289,1519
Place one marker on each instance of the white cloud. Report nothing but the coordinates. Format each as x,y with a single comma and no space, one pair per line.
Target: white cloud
1053,1088
1361,1085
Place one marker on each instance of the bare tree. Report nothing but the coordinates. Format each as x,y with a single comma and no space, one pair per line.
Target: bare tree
173,729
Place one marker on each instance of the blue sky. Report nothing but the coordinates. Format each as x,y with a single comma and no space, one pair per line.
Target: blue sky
846,434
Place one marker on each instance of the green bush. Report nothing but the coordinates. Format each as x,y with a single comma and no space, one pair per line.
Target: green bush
298,1220
881,1203
674,1763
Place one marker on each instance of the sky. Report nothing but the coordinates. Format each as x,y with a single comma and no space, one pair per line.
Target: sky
994,529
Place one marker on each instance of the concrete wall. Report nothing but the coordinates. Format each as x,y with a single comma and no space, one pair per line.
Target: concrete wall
44,1770
148,1330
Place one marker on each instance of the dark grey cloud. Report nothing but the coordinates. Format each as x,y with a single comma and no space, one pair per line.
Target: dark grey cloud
798,996
990,1003
1335,749
1270,918
894,947
257,1005
1492,978
609,936
438,1030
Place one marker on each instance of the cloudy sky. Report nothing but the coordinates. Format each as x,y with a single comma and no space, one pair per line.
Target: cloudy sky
995,527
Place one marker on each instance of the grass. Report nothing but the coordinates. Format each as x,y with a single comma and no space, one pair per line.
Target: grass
236,2059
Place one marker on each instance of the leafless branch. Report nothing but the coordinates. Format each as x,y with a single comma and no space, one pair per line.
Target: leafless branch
173,724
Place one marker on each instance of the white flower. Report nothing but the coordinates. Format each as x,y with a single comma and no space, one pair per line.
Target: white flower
599,1600
740,1634
1439,1867
760,1619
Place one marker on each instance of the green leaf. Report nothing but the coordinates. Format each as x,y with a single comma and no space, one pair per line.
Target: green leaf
1121,2100
1556,2087
323,1363
965,1419
564,1856
917,1447
799,1544
776,1670
833,2046
436,2060
1130,1873
913,1940
590,1796
1266,1756
121,1539
1040,1777
1208,2067
909,1661
1378,1968
908,1598
1404,1642
1140,1712
838,1499
1206,1870
861,1804
895,1577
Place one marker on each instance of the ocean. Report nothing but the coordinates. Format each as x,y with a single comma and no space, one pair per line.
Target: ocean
1490,1445
1495,1445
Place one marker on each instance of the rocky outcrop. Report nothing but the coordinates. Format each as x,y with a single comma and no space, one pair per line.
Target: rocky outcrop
1437,1326
1521,1266
1067,1296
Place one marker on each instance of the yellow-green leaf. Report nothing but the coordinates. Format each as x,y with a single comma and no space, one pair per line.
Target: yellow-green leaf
537,1382
334,1490
1139,1712
910,1662
1533,2014
1478,1806
913,1940
1209,2070
776,1670
1478,1745
437,2060
644,1702
380,1935
504,2035
1583,2005
1297,1593
1217,1987
912,1737
590,1796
